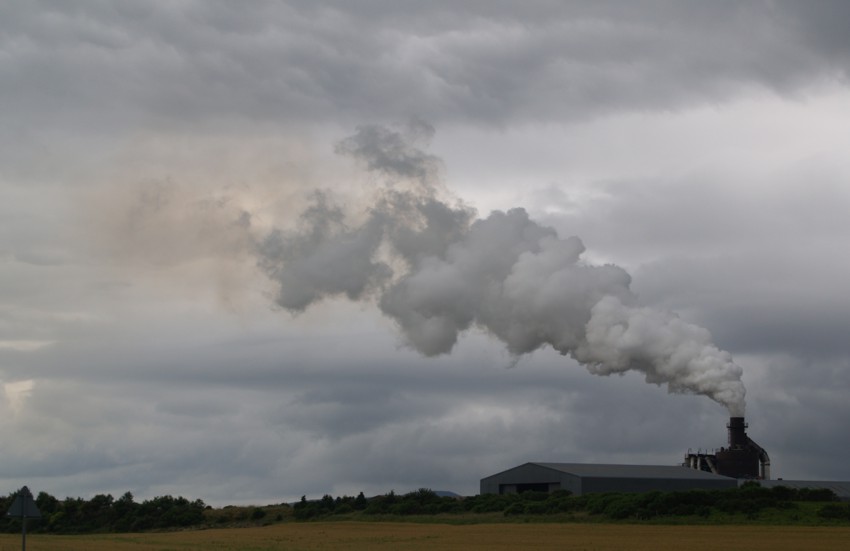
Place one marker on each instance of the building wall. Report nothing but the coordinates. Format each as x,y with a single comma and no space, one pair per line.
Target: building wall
537,477
637,485
508,481
526,486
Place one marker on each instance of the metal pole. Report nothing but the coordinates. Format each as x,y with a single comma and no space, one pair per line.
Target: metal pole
24,531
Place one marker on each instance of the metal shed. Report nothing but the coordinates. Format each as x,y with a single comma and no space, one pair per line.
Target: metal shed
581,478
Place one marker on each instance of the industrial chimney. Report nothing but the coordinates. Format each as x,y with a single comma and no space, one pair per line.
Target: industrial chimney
742,459
737,432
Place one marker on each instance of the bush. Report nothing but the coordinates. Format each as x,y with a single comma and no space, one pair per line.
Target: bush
621,509
360,502
534,496
515,510
835,511
815,494
597,503
489,503
536,508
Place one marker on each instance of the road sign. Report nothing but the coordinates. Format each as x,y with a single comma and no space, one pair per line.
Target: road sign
24,506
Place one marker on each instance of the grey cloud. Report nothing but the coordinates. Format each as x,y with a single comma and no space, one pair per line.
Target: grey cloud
821,27
802,407
752,261
263,424
163,222
355,408
187,407
757,303
393,153
179,64
325,259
148,385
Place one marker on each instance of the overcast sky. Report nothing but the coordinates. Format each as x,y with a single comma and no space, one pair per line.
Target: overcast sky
148,149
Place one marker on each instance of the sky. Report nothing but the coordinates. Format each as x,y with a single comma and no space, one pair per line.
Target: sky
221,225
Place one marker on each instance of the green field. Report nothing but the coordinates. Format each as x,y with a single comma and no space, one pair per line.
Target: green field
321,536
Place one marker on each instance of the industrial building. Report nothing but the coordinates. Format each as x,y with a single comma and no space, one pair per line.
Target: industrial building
579,478
742,461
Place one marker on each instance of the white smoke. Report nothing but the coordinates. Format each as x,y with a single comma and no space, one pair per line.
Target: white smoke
437,271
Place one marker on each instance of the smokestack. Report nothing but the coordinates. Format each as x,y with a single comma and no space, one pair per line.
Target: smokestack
742,459
737,432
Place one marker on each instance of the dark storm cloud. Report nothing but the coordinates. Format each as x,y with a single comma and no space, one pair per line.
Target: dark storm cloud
821,26
802,412
116,374
286,424
759,303
173,63
270,406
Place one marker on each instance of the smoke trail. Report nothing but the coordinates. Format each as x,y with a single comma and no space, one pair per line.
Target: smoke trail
437,271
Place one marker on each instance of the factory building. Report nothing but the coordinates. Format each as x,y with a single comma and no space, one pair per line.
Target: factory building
727,467
742,459
579,478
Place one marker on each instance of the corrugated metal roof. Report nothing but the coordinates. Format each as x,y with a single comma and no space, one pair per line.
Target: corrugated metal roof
631,471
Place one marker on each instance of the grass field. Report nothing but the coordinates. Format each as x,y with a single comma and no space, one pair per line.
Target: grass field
322,536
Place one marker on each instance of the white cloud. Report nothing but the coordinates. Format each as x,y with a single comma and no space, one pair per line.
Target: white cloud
24,346
17,394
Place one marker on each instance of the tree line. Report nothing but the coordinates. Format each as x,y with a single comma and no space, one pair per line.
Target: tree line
747,502
103,513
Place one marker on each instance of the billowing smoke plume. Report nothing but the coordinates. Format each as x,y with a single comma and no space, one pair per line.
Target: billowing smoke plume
437,271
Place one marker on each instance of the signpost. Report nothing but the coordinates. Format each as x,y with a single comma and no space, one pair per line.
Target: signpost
24,507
